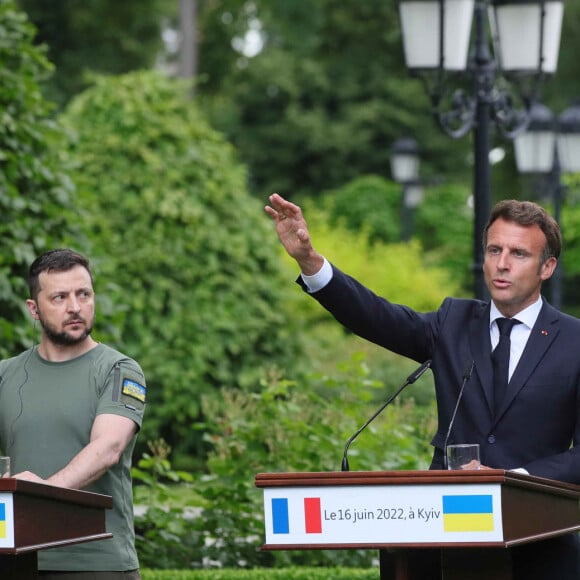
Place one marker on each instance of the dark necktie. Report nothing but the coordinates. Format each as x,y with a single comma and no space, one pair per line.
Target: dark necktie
500,358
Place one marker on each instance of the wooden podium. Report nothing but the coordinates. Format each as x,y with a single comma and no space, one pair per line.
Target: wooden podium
35,516
472,516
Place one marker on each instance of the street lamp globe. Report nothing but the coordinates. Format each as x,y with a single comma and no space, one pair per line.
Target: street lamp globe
405,160
535,147
527,34
429,47
413,194
569,139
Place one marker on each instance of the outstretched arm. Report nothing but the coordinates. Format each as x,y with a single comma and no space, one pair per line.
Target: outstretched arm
293,233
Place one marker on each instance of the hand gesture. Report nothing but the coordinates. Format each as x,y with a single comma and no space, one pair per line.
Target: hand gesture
293,233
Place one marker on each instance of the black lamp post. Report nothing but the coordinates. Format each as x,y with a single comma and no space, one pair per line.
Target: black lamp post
551,146
405,170
526,39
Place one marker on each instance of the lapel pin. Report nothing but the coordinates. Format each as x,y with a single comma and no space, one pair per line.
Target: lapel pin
544,333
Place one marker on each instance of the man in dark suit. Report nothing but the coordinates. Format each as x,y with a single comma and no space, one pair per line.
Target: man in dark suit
532,424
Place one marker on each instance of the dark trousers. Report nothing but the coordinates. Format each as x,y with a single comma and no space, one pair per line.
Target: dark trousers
554,559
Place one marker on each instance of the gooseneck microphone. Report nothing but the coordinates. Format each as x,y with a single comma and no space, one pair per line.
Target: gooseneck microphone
466,376
410,380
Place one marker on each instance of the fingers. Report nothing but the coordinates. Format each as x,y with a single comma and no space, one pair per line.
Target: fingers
282,209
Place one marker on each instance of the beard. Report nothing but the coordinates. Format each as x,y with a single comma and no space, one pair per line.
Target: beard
62,337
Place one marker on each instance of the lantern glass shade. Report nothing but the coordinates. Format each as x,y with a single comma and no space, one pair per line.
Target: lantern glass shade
413,195
535,151
569,152
405,160
569,139
404,167
422,29
527,40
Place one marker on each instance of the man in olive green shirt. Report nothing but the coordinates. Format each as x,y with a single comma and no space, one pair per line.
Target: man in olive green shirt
70,410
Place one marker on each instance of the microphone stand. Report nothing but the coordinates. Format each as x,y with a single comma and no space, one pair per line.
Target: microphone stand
466,376
410,380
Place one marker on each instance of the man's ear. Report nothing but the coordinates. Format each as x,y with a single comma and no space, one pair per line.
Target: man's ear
548,267
32,308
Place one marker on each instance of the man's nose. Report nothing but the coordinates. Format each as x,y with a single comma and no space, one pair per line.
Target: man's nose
503,261
73,304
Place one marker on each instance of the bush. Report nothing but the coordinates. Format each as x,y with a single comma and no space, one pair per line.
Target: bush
289,426
189,256
263,574
35,192
369,203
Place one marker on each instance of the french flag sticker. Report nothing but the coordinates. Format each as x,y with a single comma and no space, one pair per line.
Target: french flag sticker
280,518
312,515
281,515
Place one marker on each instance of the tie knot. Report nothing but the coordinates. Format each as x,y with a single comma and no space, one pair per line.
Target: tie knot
505,325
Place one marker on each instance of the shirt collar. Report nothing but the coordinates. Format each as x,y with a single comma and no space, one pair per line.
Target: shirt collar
527,316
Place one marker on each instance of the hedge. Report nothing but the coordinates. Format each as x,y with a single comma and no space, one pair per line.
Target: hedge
264,574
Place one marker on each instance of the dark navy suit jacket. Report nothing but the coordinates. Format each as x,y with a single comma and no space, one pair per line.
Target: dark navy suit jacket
538,426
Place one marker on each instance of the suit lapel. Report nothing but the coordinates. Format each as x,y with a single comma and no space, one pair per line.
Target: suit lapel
541,337
481,350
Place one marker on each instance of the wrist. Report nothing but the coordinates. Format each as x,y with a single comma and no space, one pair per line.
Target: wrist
312,264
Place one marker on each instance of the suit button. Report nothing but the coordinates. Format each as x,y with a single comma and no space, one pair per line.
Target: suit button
491,439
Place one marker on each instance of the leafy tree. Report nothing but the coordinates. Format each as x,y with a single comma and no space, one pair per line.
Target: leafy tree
372,205
444,226
97,35
194,259
35,192
326,98
369,203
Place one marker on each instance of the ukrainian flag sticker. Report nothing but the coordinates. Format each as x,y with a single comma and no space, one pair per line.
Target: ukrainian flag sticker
2,521
468,513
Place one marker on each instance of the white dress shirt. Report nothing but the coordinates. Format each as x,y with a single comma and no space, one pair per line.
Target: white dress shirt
520,332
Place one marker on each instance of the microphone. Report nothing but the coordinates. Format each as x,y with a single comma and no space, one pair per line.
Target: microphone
410,380
466,376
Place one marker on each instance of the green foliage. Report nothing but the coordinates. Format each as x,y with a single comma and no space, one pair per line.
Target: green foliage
288,426
325,99
163,536
292,426
194,260
35,192
264,574
444,226
396,271
102,36
570,223
370,203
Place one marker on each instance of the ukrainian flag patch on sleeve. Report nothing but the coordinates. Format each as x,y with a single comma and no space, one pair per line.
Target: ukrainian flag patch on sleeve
134,390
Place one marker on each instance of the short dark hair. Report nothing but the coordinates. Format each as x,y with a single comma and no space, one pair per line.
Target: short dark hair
528,213
59,260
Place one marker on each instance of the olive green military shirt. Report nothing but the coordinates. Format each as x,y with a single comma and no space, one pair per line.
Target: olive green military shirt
47,410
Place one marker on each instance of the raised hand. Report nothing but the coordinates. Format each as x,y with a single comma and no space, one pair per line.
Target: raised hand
293,233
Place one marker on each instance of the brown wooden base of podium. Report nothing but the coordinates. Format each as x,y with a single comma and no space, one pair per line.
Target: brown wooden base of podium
532,509
34,521
455,564
21,567
476,564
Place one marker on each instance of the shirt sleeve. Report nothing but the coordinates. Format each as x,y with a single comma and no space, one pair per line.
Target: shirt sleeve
319,280
124,392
